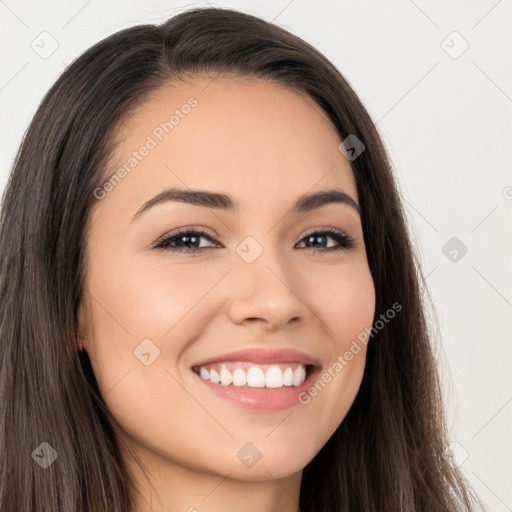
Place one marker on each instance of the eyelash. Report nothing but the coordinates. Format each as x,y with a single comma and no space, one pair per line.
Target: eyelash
345,241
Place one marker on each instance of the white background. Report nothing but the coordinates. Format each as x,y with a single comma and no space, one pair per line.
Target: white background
448,127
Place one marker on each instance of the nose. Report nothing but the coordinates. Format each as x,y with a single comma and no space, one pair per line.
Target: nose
266,292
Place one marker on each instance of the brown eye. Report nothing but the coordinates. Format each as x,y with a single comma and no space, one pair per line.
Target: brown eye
184,241
319,240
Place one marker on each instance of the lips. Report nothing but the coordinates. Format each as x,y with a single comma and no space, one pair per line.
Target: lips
275,395
259,379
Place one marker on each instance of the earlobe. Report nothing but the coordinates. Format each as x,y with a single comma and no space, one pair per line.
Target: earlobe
81,344
82,327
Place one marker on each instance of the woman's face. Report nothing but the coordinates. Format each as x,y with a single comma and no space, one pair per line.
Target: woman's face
263,289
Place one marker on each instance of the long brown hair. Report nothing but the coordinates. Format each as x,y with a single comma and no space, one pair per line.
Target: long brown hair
387,455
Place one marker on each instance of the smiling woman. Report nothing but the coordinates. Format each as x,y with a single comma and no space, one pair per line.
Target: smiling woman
235,320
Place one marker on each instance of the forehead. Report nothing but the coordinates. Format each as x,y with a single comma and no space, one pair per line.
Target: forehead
251,138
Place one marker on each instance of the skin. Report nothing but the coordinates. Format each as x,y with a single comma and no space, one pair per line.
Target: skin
265,145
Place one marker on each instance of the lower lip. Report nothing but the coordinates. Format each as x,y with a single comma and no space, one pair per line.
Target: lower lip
262,399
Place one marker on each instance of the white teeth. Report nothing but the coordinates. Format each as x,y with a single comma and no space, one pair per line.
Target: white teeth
239,377
255,377
274,377
225,377
214,377
299,375
288,377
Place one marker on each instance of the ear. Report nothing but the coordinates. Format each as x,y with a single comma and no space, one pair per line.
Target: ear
83,325
82,345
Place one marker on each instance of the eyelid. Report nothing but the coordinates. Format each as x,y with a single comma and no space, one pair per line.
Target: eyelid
323,229
203,230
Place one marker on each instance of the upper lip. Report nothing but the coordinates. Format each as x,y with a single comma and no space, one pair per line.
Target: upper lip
263,356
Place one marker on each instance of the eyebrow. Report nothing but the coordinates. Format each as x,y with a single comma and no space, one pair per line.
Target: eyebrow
304,203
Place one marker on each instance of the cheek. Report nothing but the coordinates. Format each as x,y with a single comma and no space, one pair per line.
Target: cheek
345,302
140,309
344,299
149,300
156,307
